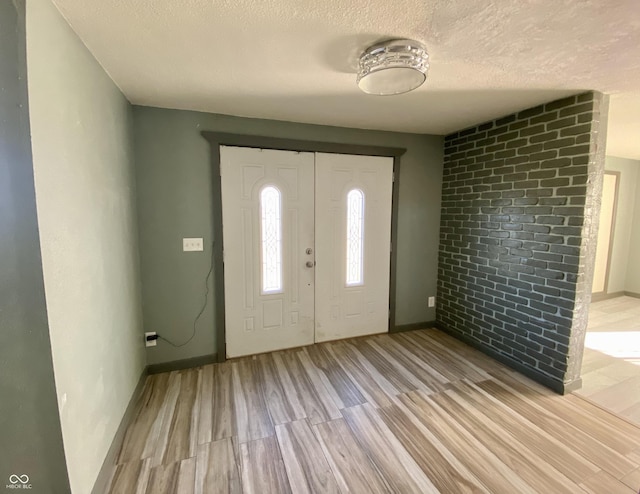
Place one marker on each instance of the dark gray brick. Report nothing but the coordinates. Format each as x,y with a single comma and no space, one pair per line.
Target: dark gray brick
574,170
550,220
584,97
553,201
574,110
513,194
498,131
559,124
549,239
520,142
549,136
545,117
540,193
575,150
556,163
534,148
531,112
507,153
560,143
585,117
546,273
532,130
542,174
555,182
583,129
527,201
572,191
544,155
561,103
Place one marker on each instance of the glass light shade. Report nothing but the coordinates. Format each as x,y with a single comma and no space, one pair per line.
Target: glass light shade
393,67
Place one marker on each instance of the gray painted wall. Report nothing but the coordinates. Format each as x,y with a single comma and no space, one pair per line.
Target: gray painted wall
622,265
174,201
85,190
30,435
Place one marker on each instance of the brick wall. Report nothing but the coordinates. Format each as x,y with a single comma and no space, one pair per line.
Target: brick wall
519,196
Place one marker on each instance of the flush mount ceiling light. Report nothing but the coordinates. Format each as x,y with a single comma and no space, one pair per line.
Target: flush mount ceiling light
394,66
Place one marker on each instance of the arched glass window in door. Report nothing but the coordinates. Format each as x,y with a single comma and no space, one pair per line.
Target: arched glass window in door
271,239
355,237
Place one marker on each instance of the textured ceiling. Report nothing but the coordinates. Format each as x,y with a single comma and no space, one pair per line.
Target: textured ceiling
295,59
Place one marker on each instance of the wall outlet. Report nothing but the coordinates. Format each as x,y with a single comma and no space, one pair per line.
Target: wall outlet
192,244
432,301
150,342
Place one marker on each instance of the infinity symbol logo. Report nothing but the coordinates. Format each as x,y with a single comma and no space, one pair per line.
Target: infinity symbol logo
19,479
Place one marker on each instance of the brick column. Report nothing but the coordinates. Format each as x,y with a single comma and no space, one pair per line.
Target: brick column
520,206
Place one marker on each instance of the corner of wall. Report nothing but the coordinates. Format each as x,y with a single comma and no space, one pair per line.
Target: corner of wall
30,430
81,127
593,201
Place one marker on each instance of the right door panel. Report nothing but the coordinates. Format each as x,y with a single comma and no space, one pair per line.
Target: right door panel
353,240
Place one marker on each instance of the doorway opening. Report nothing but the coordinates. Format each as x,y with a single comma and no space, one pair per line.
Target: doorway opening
307,241
218,140
611,362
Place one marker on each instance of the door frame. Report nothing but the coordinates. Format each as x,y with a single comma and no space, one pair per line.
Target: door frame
604,294
217,139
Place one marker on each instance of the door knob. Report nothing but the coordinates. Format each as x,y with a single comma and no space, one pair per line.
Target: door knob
309,264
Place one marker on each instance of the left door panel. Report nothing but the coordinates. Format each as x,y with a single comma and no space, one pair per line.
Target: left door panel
268,227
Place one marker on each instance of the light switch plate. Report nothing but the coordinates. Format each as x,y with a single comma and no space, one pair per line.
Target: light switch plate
192,244
432,301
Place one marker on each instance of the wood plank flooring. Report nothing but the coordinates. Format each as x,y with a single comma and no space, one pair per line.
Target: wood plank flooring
414,412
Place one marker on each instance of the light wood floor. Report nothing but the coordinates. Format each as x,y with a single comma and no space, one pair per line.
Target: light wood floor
611,364
413,412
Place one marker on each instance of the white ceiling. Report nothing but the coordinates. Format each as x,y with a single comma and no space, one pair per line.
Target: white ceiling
295,59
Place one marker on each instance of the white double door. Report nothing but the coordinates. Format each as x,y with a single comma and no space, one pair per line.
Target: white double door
306,247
